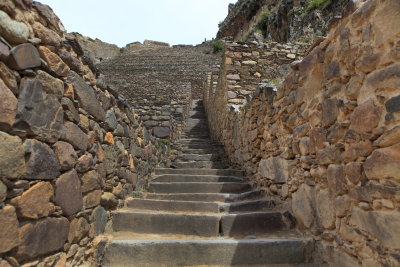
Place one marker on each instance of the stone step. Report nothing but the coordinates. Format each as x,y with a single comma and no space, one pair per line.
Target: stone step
170,178
195,141
253,223
223,172
246,206
208,197
199,146
283,252
165,223
199,187
200,151
200,164
169,205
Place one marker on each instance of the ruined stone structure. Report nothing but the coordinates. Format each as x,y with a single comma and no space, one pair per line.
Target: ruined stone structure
327,141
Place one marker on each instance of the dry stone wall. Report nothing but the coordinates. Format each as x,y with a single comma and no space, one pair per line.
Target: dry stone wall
70,148
327,141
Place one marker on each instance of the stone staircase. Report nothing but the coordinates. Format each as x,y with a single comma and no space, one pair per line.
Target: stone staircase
201,213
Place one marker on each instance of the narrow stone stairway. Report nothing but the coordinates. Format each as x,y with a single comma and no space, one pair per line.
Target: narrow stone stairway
201,213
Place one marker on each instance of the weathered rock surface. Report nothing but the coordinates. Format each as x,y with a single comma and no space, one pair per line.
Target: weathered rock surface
43,236
275,168
90,181
47,36
78,229
15,32
38,113
8,107
68,193
50,84
75,136
54,62
24,56
66,155
12,160
35,202
9,230
41,162
384,163
99,218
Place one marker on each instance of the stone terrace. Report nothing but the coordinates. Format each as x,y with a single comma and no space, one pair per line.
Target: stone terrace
155,80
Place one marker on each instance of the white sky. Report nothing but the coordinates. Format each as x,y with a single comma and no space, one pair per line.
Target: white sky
125,21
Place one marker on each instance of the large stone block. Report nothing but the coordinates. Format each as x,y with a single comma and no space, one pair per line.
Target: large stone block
69,193
12,156
41,162
38,113
90,181
43,236
99,220
325,209
66,155
47,36
389,138
383,163
9,229
383,225
336,178
303,205
8,107
54,62
86,96
35,202
75,136
330,111
276,168
13,31
50,84
365,117
24,56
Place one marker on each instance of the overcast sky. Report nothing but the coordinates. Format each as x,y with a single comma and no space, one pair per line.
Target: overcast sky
125,21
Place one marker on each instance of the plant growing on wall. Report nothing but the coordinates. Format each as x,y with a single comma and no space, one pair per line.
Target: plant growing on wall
218,46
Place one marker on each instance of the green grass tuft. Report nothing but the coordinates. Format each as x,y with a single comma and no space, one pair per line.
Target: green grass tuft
218,46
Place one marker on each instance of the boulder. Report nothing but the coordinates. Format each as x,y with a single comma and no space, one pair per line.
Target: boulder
68,193
41,162
13,31
35,202
86,96
383,163
43,237
9,230
8,107
24,56
38,113
12,157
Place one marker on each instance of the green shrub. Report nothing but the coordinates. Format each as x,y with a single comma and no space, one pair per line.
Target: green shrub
318,4
218,46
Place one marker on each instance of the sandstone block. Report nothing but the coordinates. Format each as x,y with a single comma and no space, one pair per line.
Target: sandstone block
66,155
383,225
78,230
9,229
43,236
68,193
24,56
365,117
50,84
86,96
91,181
35,202
383,163
276,168
41,162
8,107
75,136
38,113
47,36
54,62
13,31
12,160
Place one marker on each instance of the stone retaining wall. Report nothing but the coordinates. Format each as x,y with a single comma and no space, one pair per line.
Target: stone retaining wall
327,141
70,148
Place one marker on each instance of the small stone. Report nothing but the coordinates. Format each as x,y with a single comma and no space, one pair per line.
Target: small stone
69,110
161,132
84,122
69,91
365,117
8,77
9,229
118,191
8,107
55,63
75,136
12,159
78,229
353,172
4,263
249,63
47,36
111,120
3,191
108,200
13,31
330,111
109,138
68,193
35,202
24,56
41,162
234,77
50,84
70,60
91,181
383,163
84,163
38,113
92,199
66,155
291,56
43,237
